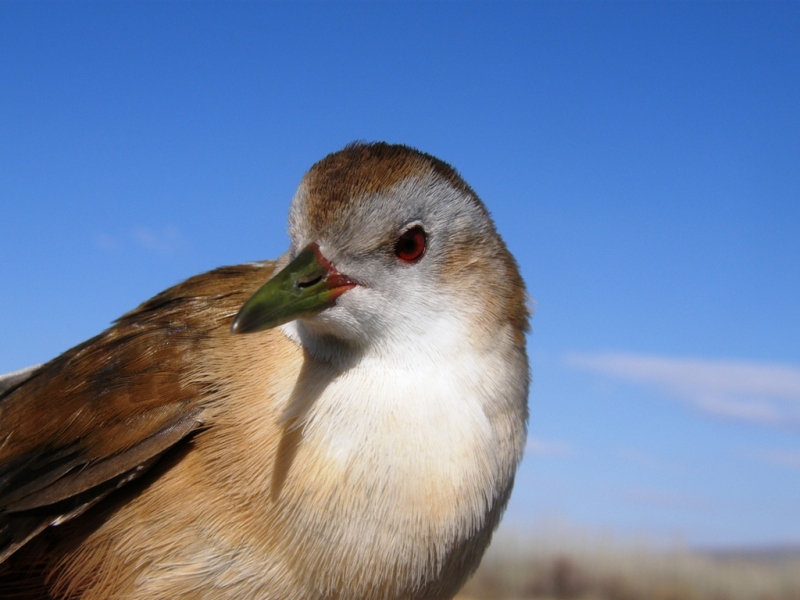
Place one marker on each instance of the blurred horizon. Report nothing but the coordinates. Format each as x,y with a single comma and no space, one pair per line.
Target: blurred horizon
639,159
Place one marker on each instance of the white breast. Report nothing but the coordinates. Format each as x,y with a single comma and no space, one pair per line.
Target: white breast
416,446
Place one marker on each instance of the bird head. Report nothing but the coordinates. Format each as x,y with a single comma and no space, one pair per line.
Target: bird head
388,244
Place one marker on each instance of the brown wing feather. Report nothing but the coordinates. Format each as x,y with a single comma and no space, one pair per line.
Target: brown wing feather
10,380
100,414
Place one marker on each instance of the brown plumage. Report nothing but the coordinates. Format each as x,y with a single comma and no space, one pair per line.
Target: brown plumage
315,457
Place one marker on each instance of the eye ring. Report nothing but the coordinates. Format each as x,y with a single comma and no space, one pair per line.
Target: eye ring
411,245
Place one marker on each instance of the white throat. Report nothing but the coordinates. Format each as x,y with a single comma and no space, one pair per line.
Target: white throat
419,412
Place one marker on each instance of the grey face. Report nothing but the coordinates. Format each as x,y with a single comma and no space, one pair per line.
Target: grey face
397,297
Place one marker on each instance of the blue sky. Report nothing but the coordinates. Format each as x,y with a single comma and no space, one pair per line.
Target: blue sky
642,161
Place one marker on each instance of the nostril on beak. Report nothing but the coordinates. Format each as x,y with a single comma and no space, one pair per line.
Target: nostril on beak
308,283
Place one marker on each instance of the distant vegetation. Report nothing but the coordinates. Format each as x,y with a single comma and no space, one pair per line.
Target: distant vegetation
606,571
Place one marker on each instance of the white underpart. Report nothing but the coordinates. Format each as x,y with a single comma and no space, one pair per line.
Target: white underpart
407,432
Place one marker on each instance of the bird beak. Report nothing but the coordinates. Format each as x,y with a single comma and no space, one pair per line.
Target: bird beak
306,286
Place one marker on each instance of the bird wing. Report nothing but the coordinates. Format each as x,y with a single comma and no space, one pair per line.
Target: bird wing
82,425
10,380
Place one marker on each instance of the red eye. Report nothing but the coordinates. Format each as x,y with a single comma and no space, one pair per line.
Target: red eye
410,245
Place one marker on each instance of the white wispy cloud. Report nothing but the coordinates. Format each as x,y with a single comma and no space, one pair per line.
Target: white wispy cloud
664,499
164,240
781,458
538,447
750,391
647,460
106,242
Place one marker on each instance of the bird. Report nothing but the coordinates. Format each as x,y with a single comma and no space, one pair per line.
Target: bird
342,423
